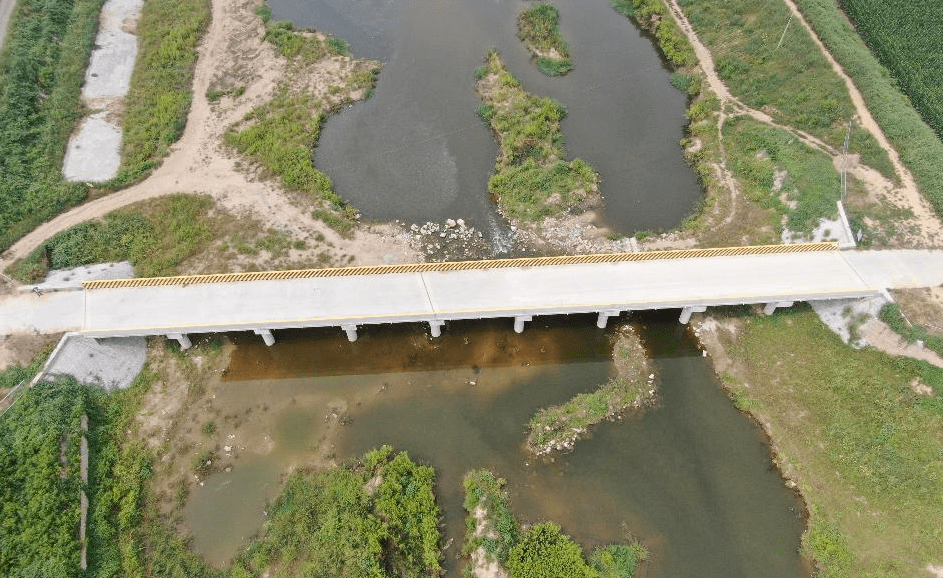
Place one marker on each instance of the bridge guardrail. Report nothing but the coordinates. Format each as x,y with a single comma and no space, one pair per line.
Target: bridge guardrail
460,265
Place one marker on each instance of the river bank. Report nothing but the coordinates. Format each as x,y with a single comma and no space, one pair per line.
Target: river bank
857,432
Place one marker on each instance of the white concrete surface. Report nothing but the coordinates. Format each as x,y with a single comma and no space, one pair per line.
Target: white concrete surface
111,363
6,11
73,278
440,296
112,62
94,151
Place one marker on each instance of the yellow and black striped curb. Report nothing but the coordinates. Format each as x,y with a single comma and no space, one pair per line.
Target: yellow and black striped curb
461,265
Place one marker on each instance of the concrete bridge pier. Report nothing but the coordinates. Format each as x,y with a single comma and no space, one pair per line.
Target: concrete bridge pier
267,336
604,318
435,328
182,339
351,331
519,323
774,305
687,311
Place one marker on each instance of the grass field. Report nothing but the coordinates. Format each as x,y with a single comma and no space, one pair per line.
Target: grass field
42,68
809,187
531,178
919,147
792,82
849,427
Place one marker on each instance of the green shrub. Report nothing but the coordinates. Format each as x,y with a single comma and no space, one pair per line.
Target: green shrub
545,552
538,27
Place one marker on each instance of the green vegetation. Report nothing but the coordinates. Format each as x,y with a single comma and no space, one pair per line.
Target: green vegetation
919,147
328,523
538,27
906,37
215,94
159,98
892,315
531,180
653,16
155,236
281,134
545,552
40,485
42,68
559,426
497,531
849,427
810,185
793,83
541,551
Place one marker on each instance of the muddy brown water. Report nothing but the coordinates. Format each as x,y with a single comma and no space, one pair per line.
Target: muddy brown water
417,151
692,478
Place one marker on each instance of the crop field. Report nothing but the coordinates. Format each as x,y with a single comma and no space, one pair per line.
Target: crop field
906,36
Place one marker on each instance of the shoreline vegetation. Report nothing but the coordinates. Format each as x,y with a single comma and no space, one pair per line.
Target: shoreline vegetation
161,89
496,544
559,427
280,134
42,68
538,27
858,432
531,179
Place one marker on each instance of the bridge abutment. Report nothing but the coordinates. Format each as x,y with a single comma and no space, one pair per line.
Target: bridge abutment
519,322
182,338
267,336
435,328
687,311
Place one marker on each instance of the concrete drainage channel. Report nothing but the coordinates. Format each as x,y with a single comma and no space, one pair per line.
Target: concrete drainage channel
93,153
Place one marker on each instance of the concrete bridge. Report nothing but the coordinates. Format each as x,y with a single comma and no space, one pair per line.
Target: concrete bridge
434,293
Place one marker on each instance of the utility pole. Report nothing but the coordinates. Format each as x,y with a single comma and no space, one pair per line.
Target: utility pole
788,22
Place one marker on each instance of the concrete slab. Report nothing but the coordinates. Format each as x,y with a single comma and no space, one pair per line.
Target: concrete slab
112,363
65,278
112,62
94,152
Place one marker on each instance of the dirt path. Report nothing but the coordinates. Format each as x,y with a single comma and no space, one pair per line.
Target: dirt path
906,196
200,163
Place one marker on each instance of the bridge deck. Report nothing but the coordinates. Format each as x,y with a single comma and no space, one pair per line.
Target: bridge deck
440,292
464,294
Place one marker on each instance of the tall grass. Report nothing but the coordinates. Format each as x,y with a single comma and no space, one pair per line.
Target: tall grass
161,91
919,147
42,68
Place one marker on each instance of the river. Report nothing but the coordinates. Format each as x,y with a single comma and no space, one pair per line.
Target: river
692,478
416,150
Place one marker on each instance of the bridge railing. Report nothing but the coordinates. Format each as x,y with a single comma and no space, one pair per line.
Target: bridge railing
461,265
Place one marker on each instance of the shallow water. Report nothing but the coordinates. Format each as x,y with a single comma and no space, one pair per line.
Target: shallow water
692,478
417,151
